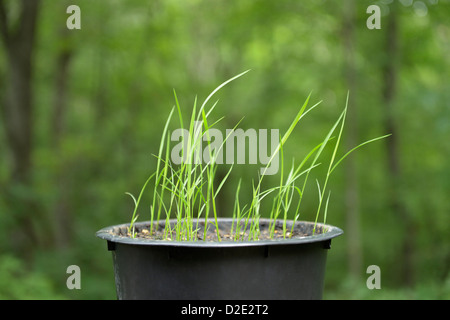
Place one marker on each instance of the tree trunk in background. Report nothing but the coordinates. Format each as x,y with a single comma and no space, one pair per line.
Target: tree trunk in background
61,210
351,191
397,204
17,111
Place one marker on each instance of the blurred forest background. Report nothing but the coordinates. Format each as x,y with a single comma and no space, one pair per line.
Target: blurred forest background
82,112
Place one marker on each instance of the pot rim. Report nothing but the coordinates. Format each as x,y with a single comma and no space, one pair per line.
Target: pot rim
107,234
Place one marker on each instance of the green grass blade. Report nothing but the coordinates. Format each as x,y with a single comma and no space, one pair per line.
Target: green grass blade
220,87
357,147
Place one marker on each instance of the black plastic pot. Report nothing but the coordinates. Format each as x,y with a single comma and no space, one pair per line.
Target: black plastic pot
252,270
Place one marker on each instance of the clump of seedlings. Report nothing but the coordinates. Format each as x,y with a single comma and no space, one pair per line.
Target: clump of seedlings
184,208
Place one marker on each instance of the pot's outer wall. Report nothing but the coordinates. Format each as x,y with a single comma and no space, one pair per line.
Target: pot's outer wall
253,273
275,270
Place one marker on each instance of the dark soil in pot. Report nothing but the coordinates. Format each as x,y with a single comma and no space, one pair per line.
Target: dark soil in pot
142,231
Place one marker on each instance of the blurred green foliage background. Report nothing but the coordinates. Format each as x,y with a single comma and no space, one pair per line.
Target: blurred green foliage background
83,110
